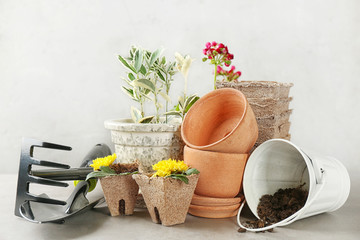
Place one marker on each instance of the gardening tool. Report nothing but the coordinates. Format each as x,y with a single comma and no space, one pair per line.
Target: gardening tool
41,208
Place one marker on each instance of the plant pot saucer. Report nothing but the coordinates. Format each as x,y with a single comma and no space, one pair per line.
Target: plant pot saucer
214,211
210,201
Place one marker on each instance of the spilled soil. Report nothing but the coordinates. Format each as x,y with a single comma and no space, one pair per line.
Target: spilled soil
277,207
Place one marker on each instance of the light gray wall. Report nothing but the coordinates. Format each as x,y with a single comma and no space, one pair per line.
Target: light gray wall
60,77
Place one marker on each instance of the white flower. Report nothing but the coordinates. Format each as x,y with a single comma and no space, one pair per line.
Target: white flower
183,64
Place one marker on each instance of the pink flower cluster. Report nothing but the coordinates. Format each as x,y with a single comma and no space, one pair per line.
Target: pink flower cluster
219,52
219,56
230,75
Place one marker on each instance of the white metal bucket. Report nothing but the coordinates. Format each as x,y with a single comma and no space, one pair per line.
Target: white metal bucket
278,163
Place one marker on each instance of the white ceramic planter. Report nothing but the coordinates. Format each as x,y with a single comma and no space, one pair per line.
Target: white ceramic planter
148,143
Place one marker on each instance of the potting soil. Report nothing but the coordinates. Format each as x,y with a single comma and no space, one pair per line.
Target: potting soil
277,207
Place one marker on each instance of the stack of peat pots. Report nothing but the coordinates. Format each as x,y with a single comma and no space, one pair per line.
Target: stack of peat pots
219,131
270,103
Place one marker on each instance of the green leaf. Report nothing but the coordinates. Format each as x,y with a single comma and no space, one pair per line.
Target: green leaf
98,174
126,64
180,177
146,119
143,70
177,108
204,59
155,55
145,83
107,169
139,56
163,60
131,76
189,102
160,75
165,96
130,92
172,113
135,114
170,67
192,171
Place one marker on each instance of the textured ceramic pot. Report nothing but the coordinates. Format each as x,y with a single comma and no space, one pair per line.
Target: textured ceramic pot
120,194
148,143
221,174
167,199
221,121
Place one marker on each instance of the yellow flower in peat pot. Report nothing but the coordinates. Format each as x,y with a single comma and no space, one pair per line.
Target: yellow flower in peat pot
168,192
120,189
106,161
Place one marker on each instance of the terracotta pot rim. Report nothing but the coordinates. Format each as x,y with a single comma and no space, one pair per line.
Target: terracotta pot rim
210,95
188,148
212,201
216,208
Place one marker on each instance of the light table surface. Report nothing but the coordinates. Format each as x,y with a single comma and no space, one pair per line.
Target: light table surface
98,224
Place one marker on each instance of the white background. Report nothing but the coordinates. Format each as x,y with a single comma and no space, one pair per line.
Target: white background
60,77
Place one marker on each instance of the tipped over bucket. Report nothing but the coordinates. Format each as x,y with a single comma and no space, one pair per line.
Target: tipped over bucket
278,163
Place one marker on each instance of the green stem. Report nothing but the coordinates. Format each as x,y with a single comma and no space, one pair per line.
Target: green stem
215,74
142,108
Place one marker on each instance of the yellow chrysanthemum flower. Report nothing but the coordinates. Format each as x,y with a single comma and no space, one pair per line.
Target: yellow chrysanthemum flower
105,161
167,167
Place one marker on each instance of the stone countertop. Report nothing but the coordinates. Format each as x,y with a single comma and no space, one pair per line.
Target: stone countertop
97,223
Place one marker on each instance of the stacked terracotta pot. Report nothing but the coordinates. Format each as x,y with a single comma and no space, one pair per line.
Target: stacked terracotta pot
270,103
219,131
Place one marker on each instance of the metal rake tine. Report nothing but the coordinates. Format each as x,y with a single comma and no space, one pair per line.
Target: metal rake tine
39,199
50,164
55,146
29,144
49,182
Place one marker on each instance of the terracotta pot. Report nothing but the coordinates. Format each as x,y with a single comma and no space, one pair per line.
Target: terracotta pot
214,211
220,173
209,201
221,121
120,194
167,199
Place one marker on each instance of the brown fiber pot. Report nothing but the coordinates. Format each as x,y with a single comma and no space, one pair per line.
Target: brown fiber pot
120,193
221,121
221,174
167,199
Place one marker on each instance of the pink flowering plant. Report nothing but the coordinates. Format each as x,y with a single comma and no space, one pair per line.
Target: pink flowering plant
218,55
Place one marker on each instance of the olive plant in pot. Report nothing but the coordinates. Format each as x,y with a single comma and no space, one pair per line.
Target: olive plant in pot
150,138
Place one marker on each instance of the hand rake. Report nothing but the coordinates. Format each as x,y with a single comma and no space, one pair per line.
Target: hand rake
41,208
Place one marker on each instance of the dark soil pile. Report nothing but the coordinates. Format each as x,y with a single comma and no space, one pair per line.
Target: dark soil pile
274,208
125,167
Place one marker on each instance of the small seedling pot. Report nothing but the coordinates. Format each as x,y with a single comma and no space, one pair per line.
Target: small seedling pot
167,199
120,194
221,173
221,121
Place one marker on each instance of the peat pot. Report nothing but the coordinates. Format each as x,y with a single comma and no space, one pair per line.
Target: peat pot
167,199
146,142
